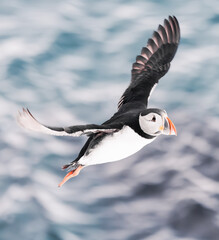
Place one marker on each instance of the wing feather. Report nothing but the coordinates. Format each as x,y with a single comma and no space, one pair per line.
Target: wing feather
27,120
153,63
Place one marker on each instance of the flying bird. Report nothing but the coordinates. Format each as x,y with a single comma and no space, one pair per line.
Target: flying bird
133,125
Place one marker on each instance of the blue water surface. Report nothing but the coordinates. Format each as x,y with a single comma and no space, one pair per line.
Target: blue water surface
69,62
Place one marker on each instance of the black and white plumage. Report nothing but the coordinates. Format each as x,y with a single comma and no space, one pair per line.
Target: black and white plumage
134,125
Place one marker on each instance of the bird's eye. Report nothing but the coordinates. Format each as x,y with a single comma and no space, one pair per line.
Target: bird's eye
153,119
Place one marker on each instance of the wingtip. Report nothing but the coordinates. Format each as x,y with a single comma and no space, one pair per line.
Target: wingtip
26,120
19,116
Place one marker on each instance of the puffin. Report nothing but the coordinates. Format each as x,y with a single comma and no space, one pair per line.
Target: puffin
134,125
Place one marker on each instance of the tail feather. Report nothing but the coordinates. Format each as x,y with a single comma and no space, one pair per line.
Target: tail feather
70,166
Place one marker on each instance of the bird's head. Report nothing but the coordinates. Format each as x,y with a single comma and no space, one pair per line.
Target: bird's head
155,122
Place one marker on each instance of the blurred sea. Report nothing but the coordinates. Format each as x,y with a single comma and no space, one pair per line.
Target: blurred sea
69,62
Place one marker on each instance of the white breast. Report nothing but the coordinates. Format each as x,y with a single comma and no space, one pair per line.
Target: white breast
115,147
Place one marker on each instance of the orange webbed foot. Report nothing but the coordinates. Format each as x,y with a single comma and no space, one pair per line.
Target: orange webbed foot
71,174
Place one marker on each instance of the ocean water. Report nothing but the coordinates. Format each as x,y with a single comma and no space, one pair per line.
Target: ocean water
69,62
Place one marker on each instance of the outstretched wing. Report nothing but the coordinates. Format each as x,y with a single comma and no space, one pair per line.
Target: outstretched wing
153,63
26,120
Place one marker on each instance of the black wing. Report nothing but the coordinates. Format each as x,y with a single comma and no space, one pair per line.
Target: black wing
26,120
153,63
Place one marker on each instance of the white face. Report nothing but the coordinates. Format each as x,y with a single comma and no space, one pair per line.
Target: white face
151,123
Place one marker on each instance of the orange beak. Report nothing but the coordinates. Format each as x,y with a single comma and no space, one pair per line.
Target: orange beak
172,129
